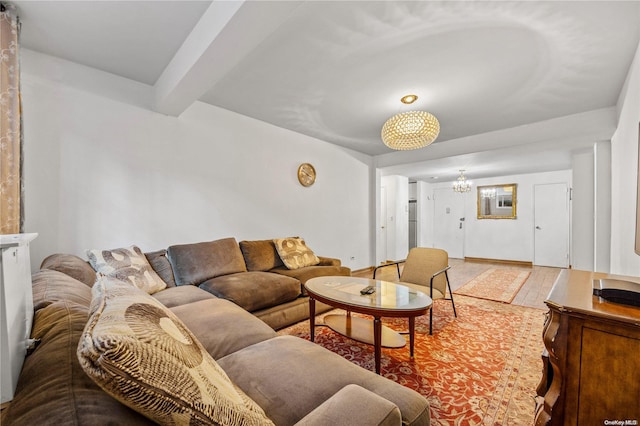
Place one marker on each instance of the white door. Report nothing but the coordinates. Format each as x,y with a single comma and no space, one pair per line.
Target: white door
551,225
448,222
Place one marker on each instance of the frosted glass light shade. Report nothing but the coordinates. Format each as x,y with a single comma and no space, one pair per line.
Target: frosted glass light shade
410,130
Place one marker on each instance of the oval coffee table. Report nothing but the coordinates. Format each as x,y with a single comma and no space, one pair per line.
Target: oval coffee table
389,300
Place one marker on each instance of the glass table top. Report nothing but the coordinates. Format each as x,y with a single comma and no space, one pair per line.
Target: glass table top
388,295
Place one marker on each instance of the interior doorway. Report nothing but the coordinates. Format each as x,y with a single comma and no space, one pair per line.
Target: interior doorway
448,221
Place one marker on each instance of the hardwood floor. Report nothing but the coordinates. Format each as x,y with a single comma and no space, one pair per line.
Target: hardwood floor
532,294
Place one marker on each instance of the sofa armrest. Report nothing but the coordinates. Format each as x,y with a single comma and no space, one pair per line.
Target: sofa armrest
353,405
329,261
71,265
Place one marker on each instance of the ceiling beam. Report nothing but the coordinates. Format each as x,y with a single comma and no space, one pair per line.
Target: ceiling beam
226,33
586,128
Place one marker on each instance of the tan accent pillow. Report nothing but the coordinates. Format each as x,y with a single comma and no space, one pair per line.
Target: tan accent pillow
294,253
140,353
127,264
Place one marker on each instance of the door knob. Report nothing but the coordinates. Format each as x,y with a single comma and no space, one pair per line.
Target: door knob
537,227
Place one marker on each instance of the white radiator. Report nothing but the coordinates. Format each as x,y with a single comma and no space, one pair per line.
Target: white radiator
16,308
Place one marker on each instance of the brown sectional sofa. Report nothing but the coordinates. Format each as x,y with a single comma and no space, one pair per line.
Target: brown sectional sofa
250,274
293,380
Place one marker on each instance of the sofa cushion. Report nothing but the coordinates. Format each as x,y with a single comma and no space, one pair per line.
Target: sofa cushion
195,263
289,313
260,255
295,253
127,264
71,265
316,374
222,326
308,272
160,263
52,388
143,355
181,295
50,286
254,290
354,405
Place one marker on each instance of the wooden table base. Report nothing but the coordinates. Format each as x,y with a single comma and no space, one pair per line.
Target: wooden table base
361,329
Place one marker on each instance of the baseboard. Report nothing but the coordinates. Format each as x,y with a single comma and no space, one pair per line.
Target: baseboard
466,259
501,261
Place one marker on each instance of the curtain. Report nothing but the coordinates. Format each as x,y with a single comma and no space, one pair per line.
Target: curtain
11,199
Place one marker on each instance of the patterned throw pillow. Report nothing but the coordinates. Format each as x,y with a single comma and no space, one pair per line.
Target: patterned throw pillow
140,353
294,253
127,264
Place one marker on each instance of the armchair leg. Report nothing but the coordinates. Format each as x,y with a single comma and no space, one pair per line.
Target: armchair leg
455,314
431,320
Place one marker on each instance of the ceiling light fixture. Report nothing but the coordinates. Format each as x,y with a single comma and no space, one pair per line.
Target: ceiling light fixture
462,184
410,130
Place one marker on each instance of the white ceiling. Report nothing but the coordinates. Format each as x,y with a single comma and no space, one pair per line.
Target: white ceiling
335,70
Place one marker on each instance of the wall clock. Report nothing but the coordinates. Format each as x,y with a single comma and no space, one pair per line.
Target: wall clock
306,174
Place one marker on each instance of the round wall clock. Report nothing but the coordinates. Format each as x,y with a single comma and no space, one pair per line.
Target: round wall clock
306,174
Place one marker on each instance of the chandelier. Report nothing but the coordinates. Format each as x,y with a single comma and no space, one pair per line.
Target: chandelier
462,184
488,193
410,130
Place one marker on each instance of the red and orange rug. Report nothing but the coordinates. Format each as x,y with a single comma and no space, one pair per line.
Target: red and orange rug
481,368
497,284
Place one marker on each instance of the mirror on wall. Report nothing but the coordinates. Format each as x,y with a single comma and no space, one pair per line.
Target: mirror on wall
497,201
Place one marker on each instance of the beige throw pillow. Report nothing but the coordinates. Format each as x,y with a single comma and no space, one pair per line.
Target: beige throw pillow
127,264
294,253
140,353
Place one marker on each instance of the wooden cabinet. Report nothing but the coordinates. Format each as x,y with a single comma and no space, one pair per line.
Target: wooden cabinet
592,373
16,308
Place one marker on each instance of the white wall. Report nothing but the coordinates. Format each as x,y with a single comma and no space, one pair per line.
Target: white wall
624,157
602,206
424,211
582,211
503,239
103,171
426,218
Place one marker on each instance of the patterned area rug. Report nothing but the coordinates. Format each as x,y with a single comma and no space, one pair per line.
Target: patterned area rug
481,368
500,285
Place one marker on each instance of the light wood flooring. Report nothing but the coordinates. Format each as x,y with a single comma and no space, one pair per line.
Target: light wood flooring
533,293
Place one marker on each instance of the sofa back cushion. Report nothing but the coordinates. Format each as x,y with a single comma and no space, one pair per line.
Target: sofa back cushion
198,262
260,255
127,264
160,263
140,353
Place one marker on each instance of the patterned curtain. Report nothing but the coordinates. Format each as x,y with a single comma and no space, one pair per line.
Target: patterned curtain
11,217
